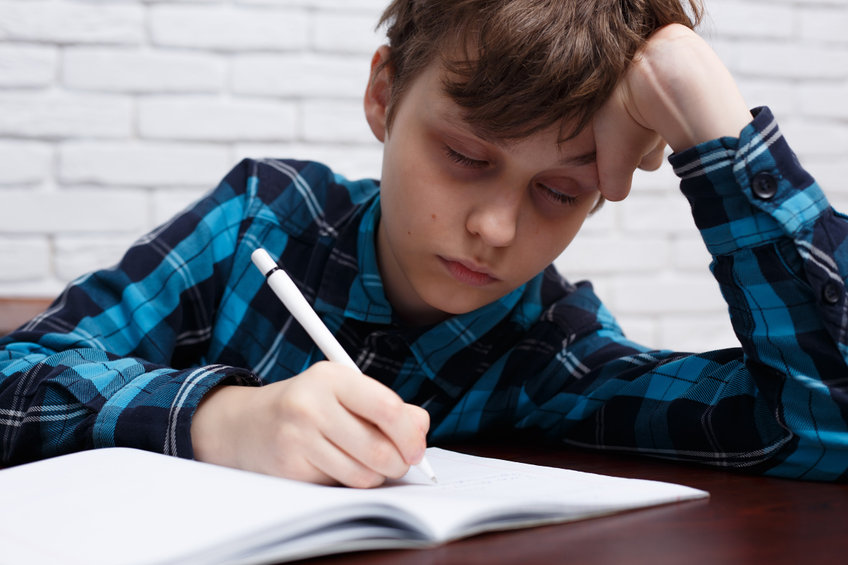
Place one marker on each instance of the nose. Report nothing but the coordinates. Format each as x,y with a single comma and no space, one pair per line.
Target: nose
494,218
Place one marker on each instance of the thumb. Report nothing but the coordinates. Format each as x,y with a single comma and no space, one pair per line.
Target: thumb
419,416
622,145
654,159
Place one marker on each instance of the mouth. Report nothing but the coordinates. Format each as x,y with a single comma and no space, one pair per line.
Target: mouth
467,273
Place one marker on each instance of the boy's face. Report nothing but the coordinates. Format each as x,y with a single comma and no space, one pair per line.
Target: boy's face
466,220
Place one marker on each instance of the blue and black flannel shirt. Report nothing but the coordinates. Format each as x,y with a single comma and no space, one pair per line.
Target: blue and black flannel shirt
124,355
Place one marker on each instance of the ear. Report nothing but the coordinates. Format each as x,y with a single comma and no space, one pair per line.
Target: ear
377,92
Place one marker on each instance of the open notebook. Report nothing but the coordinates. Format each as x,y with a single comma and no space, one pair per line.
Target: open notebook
124,506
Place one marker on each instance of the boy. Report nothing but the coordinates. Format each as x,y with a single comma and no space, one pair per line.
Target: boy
504,124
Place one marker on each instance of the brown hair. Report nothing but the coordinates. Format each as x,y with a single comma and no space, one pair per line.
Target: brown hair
519,66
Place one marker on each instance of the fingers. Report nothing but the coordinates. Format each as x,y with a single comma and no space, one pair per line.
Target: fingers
344,427
371,455
327,463
421,418
653,160
404,425
315,439
623,145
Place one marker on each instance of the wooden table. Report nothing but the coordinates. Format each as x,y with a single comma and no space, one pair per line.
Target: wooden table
747,519
14,311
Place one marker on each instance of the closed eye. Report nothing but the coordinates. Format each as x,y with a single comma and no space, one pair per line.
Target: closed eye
464,160
556,196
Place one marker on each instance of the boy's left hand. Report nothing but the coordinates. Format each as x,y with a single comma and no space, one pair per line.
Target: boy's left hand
677,91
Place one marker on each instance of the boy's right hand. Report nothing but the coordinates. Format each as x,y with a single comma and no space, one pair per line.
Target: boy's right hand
330,425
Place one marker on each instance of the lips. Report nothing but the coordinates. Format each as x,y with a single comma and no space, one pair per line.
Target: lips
468,273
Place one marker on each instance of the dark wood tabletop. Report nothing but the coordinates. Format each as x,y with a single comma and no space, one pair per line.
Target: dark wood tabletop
747,519
14,311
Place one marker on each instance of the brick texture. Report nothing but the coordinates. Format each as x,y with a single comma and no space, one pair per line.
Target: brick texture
115,115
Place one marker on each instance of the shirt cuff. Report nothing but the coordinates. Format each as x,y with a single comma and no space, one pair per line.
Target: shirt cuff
750,190
154,411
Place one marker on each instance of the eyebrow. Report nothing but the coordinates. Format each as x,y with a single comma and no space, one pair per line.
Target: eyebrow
580,160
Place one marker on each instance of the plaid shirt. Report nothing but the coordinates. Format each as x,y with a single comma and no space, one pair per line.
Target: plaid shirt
124,355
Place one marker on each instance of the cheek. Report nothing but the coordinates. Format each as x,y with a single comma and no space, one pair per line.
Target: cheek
546,239
569,229
411,211
423,203
423,219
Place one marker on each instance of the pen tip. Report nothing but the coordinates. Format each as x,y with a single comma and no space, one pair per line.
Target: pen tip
427,470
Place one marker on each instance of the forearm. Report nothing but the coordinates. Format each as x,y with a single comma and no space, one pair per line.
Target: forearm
779,249
781,260
121,357
83,398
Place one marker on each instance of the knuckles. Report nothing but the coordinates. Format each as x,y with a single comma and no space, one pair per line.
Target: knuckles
388,410
383,457
363,478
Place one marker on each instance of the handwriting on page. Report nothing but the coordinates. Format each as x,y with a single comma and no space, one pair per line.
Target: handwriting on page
479,482
483,482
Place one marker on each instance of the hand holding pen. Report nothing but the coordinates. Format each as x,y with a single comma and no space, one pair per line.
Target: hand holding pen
291,297
329,424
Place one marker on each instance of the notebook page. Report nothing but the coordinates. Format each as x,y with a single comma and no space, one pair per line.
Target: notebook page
127,507
473,491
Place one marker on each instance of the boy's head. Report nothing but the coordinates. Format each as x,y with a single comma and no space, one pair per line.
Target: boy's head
517,66
488,168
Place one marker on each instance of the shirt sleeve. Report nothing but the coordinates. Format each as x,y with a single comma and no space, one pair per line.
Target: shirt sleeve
114,360
778,404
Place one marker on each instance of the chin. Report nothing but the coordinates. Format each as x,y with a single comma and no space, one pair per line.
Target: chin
457,304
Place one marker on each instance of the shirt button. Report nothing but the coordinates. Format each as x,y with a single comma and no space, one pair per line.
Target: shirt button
831,293
764,186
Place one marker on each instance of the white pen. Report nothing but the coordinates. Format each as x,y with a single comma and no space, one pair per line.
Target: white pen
293,299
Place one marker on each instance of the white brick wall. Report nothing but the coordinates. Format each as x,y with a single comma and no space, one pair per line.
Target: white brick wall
115,115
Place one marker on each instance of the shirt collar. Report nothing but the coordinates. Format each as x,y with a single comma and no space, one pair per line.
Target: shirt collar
434,347
468,340
364,300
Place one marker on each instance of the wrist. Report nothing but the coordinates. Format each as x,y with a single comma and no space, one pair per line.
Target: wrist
693,98
211,422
